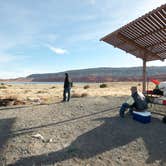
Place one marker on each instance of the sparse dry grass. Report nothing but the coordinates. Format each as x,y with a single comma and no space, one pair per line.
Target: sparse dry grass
53,93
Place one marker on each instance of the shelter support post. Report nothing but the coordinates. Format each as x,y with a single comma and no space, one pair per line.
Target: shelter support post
144,76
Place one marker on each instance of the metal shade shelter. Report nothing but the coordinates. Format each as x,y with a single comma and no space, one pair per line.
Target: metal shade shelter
144,37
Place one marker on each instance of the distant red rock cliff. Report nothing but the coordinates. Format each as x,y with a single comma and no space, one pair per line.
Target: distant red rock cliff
97,75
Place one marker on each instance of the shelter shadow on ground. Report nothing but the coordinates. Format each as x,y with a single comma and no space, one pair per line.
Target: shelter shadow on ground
113,133
5,130
32,129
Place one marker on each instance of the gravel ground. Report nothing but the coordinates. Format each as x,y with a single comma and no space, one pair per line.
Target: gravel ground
85,131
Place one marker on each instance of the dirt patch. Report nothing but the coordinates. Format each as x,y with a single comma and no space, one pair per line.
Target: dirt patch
84,131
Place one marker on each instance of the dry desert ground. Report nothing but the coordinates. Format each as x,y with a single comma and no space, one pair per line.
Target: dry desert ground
86,131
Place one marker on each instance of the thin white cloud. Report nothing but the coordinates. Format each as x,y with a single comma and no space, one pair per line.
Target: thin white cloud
92,2
59,51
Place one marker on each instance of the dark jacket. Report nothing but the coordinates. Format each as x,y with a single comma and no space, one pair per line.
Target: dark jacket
139,101
67,83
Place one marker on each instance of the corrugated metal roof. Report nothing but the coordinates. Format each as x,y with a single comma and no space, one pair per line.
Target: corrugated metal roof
144,37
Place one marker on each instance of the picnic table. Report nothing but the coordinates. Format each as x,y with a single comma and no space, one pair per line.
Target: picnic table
156,102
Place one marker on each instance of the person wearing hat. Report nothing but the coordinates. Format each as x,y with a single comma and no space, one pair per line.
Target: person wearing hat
136,101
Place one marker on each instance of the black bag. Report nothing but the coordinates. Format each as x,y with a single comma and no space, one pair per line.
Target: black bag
164,119
71,84
157,92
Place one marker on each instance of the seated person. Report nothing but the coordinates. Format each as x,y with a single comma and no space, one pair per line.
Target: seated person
136,101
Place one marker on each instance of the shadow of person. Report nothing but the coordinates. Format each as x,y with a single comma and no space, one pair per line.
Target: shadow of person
113,133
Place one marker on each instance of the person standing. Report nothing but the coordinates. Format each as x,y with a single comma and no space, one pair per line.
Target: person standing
67,88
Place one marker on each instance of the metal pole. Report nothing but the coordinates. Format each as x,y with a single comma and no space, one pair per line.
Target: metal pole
144,76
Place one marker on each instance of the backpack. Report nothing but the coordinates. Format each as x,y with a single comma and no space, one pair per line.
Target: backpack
71,84
164,119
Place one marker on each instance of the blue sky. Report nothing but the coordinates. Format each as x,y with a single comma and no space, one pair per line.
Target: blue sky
45,36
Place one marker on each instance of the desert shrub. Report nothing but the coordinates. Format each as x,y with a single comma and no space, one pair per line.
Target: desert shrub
103,86
84,95
26,91
18,102
86,86
3,87
40,91
53,87
8,101
13,100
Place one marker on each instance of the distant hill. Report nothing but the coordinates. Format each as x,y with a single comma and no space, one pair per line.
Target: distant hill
106,74
102,74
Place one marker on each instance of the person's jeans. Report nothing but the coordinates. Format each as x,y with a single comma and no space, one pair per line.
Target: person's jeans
123,108
66,91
